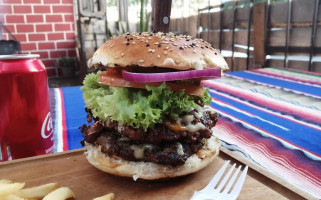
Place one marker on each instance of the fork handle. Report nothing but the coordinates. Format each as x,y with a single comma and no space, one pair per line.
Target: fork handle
198,195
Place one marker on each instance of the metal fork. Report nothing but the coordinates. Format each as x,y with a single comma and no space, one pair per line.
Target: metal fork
214,190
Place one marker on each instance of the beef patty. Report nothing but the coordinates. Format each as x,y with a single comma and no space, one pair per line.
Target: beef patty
162,144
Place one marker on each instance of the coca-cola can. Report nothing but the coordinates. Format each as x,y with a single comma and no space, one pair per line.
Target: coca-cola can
25,121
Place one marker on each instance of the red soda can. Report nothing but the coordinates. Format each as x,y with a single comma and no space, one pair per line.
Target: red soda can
25,121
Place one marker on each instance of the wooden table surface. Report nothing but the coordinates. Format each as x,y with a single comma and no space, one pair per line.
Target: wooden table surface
71,169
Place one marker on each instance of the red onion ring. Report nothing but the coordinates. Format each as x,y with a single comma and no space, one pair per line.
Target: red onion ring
171,76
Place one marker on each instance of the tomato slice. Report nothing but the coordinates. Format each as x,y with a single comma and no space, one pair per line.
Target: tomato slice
113,77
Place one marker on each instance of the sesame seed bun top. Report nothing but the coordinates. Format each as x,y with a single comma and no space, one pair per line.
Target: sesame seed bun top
181,52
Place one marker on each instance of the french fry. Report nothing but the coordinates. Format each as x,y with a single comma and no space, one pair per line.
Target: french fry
5,181
9,188
13,197
59,194
38,191
109,196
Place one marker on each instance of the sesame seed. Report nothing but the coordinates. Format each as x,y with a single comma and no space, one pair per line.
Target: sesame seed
174,44
141,61
181,48
158,56
194,51
122,54
177,61
165,52
150,50
153,50
159,45
202,47
147,45
111,45
167,47
133,42
131,38
127,43
215,53
156,43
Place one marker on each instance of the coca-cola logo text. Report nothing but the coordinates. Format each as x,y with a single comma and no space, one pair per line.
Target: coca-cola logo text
46,128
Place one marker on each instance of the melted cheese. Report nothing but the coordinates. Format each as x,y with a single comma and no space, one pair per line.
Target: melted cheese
195,127
180,150
139,150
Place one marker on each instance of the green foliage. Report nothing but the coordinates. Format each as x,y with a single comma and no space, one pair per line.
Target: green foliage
136,107
67,62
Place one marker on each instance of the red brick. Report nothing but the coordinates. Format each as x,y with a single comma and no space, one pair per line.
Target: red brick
43,54
54,18
43,27
5,9
51,1
66,45
63,9
22,9
11,28
70,36
58,54
21,37
34,18
15,19
69,18
32,1
25,46
67,1
41,9
24,28
12,1
49,62
56,36
46,45
37,37
62,27
72,53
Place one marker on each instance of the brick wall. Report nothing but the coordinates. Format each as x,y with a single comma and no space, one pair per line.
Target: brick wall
44,27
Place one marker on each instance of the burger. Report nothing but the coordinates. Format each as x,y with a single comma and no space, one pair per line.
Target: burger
150,111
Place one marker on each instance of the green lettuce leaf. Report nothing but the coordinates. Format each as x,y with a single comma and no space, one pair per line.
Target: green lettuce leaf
136,107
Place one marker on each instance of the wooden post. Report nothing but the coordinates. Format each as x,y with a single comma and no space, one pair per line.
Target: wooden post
161,12
259,34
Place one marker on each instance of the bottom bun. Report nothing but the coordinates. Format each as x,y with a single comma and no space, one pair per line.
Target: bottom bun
153,171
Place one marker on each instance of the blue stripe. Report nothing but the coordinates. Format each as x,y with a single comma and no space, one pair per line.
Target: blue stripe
309,89
298,134
75,115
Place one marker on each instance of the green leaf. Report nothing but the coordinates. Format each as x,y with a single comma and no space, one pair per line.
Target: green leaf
136,107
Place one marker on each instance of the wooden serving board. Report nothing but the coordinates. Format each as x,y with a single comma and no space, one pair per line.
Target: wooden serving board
72,170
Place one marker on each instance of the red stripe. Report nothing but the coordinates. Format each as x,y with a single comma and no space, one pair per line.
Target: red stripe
4,152
264,131
247,140
64,126
264,102
261,109
305,72
286,76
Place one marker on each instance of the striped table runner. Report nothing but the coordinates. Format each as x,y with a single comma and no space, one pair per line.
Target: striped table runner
273,117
